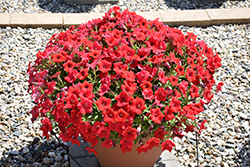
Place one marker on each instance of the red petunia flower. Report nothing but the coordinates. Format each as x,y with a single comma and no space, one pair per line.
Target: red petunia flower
130,133
111,41
174,80
138,105
108,143
69,65
167,145
143,53
160,133
217,61
86,93
142,148
202,125
153,142
208,95
51,87
164,79
126,145
129,76
122,99
97,127
104,66
142,76
190,74
190,61
46,127
86,85
168,113
219,86
91,150
194,91
71,101
145,85
71,77
58,58
104,133
96,46
122,115
82,74
179,69
129,87
103,103
117,33
85,106
183,87
95,54
175,104
129,54
109,115
120,67
161,94
139,35
156,115
148,94
189,112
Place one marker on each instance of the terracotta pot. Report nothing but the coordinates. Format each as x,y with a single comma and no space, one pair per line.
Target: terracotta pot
114,157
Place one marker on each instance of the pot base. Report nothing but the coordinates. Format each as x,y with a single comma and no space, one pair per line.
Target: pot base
114,157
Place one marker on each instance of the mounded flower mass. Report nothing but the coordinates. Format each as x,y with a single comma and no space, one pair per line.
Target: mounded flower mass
121,79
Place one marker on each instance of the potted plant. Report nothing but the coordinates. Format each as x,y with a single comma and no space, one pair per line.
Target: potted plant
122,82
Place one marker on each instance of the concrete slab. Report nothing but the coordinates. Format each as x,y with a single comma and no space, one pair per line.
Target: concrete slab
82,156
172,18
79,18
5,19
45,20
167,159
229,16
150,15
85,159
185,17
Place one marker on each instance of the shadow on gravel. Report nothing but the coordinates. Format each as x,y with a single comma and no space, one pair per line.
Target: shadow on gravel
58,6
242,159
159,163
40,152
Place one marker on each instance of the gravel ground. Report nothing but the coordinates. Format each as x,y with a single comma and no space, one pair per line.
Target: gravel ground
55,6
224,143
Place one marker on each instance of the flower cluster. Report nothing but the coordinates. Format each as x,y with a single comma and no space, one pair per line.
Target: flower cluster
122,79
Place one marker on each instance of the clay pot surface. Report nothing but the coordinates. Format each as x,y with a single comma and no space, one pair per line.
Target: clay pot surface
114,157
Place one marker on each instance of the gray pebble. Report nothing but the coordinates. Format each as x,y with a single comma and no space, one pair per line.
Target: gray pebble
58,158
26,150
46,161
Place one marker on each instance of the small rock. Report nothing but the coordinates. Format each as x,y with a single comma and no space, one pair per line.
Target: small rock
230,145
58,158
230,141
52,154
186,156
17,133
25,150
36,140
14,153
66,164
246,125
46,160
37,164
222,149
66,157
